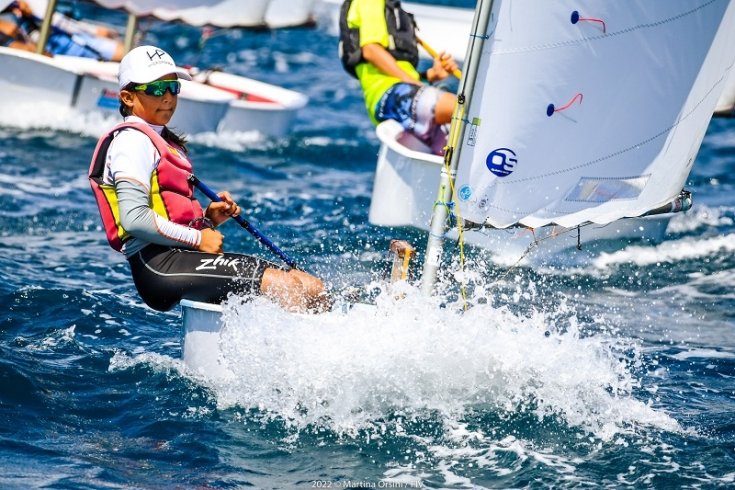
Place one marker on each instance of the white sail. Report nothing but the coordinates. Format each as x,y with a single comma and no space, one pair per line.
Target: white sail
286,13
442,28
220,13
590,115
726,104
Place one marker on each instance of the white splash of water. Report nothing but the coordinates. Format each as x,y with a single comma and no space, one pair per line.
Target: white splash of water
347,372
700,217
42,115
671,251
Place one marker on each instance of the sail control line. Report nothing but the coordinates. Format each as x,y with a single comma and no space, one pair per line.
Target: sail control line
446,193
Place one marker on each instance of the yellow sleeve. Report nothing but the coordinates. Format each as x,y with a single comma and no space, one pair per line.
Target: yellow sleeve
369,17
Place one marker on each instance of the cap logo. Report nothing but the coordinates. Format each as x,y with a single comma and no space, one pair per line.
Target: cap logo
157,53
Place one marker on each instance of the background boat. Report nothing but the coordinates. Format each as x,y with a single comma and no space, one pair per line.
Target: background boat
407,177
220,101
565,176
93,392
256,106
82,87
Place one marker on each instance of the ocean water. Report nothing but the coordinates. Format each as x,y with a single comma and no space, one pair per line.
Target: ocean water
616,373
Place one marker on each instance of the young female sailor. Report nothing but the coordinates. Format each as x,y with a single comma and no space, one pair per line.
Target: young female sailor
139,174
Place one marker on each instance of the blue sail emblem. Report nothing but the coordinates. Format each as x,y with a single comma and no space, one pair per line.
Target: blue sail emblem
501,162
465,192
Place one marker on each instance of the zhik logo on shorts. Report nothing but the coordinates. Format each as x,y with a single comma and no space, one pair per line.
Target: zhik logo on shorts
220,261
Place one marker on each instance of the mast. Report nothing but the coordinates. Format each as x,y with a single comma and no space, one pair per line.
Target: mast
434,245
46,27
130,29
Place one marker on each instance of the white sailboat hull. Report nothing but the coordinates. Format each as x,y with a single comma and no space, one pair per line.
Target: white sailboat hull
405,190
289,13
256,106
443,28
200,339
26,78
88,86
199,108
201,336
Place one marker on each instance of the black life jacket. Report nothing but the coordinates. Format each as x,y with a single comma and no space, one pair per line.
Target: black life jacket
401,36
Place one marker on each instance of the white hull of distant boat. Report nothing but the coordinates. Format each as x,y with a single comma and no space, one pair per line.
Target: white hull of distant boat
87,86
273,14
404,193
256,106
443,28
199,108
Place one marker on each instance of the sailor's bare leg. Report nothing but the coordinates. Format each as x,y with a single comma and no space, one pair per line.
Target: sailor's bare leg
444,108
295,290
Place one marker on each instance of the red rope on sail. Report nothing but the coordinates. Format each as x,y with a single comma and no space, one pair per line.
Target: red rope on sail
577,18
550,110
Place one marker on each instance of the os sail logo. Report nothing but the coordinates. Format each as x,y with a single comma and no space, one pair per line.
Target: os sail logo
501,162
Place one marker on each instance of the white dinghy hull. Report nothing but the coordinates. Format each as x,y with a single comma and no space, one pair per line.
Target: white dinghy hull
256,106
199,108
200,339
27,78
87,87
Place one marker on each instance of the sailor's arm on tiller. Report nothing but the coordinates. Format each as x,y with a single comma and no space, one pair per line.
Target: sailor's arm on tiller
385,62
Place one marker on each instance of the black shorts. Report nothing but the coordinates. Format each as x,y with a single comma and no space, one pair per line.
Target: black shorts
165,275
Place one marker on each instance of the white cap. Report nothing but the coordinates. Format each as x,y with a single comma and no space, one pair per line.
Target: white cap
146,64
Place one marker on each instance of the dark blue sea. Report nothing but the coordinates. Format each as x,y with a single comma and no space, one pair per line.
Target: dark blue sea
619,373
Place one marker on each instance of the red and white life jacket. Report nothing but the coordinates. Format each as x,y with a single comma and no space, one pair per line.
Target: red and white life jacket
172,195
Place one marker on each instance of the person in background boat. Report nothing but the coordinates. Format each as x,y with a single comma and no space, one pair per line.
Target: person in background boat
20,23
378,46
13,34
139,174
